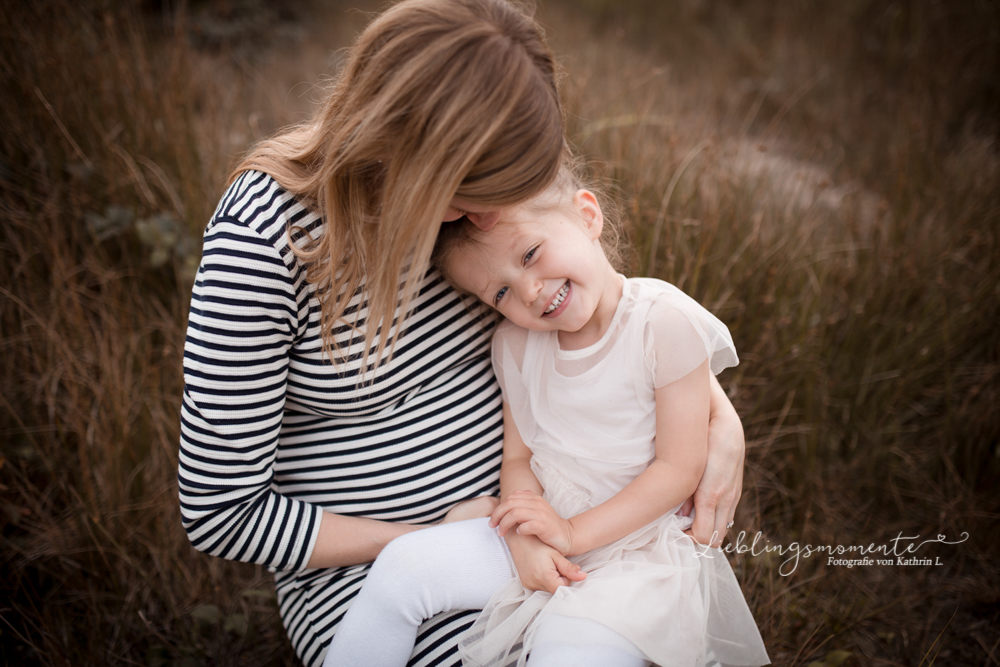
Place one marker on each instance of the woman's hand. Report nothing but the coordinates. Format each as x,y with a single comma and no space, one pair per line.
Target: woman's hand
533,515
539,566
720,488
476,508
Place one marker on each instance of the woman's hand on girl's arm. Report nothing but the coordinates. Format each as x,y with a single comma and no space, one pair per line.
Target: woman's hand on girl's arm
717,495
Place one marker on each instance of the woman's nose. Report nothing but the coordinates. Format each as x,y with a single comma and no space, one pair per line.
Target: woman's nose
485,221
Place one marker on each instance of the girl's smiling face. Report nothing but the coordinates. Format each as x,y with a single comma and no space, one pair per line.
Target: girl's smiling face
544,269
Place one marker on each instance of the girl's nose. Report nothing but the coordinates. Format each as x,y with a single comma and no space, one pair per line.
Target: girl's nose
529,288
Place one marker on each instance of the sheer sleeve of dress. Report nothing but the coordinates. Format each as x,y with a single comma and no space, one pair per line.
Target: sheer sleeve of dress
680,334
510,345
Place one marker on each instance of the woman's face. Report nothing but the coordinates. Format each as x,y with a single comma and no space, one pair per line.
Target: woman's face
483,217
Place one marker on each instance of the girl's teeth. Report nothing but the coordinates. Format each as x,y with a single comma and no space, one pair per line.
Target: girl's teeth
559,298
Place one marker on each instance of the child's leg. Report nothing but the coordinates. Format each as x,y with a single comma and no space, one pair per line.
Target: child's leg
559,642
452,566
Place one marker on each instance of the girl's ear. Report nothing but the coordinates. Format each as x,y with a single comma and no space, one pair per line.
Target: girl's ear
593,217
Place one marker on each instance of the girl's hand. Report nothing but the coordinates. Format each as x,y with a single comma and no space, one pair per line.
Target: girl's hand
476,508
533,515
539,566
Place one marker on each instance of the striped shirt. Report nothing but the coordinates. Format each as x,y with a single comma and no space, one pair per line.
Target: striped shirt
272,433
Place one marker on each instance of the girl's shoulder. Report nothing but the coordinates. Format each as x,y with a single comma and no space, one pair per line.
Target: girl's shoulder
654,291
510,339
665,307
678,333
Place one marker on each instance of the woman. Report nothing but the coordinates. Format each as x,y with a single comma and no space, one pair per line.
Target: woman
337,392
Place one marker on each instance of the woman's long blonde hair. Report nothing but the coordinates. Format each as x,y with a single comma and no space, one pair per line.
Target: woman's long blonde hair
437,98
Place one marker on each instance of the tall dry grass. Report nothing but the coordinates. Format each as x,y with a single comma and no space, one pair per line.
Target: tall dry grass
118,135
825,179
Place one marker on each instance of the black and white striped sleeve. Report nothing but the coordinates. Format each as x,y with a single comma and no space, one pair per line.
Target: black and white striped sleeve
244,319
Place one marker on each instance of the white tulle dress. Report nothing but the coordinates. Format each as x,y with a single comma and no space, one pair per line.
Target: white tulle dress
588,417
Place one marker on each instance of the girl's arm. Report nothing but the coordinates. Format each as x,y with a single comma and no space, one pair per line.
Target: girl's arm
515,469
539,566
682,412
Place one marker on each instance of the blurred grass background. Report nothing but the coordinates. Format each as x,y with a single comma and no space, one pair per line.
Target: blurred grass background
823,176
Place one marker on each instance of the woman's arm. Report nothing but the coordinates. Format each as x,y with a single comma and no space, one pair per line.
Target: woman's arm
717,495
682,411
348,540
244,319
242,324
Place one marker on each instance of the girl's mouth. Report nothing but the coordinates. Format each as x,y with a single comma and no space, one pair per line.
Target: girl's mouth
558,302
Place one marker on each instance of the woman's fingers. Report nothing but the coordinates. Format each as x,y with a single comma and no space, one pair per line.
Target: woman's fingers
722,513
720,488
739,488
705,529
712,515
540,567
716,496
726,509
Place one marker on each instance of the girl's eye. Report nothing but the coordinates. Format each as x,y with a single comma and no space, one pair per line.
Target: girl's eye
528,255
499,295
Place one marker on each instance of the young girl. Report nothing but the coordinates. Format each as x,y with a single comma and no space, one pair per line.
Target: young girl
605,384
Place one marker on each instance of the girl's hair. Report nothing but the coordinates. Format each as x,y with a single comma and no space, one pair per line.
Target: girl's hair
459,235
437,98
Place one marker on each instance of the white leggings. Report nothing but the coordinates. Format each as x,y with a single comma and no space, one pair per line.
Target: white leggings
444,568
